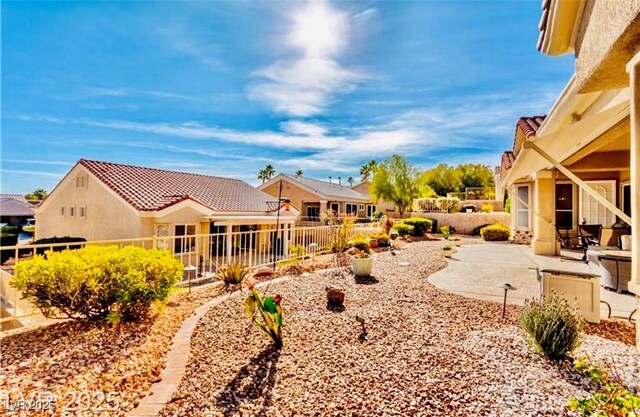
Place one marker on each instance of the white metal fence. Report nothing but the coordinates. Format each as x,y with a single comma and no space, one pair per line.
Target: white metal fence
204,253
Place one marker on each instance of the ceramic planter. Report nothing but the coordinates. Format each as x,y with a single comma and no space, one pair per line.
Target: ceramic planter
362,266
469,210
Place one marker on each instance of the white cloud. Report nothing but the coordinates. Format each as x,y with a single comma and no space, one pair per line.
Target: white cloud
301,128
304,85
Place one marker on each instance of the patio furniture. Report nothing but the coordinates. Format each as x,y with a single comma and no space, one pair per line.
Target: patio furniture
615,272
570,241
590,234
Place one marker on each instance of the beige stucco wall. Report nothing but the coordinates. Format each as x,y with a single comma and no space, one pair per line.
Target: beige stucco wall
606,39
186,215
466,222
293,192
107,217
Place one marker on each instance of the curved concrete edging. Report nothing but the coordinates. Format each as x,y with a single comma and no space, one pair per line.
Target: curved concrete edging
178,357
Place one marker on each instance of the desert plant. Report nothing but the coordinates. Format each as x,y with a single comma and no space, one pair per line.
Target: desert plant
341,231
486,208
494,232
612,398
420,225
551,326
97,282
446,231
403,229
447,246
233,273
377,214
382,238
298,251
266,313
507,205
360,242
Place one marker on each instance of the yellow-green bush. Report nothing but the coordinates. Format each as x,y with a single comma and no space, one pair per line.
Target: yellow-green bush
360,242
96,282
382,238
420,225
495,231
403,229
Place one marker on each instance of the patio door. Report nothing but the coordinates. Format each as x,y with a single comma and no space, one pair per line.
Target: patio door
564,205
594,212
370,210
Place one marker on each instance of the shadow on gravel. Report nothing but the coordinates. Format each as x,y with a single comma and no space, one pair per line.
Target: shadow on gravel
335,308
254,380
368,280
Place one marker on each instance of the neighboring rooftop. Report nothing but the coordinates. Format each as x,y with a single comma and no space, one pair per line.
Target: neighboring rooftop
151,189
18,197
508,159
526,127
328,189
15,207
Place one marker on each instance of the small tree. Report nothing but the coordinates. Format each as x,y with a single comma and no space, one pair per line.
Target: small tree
396,181
37,194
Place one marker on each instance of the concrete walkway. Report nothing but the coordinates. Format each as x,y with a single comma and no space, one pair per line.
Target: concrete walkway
476,271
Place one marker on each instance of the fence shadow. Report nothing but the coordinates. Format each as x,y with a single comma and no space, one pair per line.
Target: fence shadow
254,380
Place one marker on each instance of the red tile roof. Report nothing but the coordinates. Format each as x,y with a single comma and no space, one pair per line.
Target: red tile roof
150,189
508,159
542,26
530,125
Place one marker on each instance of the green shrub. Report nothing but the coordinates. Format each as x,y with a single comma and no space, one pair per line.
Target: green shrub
551,326
383,239
97,282
495,231
233,273
10,230
403,229
420,225
8,239
486,208
612,398
360,242
507,205
53,240
266,313
29,229
446,231
377,214
298,251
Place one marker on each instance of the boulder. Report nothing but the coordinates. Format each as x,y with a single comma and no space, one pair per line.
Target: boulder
263,272
335,296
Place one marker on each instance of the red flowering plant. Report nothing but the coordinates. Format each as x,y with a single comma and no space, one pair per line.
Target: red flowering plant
266,313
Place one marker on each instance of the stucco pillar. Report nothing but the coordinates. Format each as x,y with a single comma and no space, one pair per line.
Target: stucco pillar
323,207
285,238
633,68
543,210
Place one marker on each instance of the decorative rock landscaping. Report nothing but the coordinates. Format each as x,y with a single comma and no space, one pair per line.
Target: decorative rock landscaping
419,351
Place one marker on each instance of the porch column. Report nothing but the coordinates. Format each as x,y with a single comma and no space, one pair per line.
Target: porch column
633,68
544,234
285,238
323,207
229,242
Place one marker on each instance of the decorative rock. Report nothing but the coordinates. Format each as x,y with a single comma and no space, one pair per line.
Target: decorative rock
335,296
263,272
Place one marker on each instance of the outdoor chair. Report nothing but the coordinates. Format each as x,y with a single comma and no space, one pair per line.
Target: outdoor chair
570,241
590,234
615,273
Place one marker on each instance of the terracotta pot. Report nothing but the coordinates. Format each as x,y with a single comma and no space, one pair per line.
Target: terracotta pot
373,243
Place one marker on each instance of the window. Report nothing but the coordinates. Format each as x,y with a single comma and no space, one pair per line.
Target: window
313,212
370,210
626,199
522,207
72,211
62,211
361,207
335,207
162,232
351,208
564,205
594,212
184,244
82,212
81,181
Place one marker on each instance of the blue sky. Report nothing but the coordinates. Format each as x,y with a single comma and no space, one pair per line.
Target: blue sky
224,88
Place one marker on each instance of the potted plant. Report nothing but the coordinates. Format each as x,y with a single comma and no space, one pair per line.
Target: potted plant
362,264
456,241
469,208
447,250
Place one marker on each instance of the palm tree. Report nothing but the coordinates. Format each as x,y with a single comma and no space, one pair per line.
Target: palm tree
269,171
350,180
262,175
299,173
368,169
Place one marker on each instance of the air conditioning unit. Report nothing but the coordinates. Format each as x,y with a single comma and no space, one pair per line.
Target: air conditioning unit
579,289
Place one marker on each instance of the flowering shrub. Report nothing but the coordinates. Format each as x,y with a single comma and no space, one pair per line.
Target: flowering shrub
495,231
97,282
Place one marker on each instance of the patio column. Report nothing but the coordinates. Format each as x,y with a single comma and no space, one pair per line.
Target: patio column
633,68
229,242
323,207
544,234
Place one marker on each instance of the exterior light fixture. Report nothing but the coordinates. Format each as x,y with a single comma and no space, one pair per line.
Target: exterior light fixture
506,287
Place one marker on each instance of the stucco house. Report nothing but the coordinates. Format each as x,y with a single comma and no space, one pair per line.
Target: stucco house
14,209
315,197
104,201
582,163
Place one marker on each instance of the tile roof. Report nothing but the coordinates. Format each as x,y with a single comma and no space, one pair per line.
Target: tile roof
15,207
18,197
530,125
151,189
329,189
542,26
508,159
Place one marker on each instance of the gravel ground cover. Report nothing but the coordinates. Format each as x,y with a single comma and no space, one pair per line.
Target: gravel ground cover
74,359
425,353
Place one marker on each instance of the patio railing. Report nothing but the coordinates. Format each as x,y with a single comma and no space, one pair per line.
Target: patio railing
203,253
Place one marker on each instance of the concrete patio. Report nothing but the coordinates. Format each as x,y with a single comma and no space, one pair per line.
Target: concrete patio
476,271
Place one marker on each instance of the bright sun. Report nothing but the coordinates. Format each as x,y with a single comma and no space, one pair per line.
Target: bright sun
318,30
